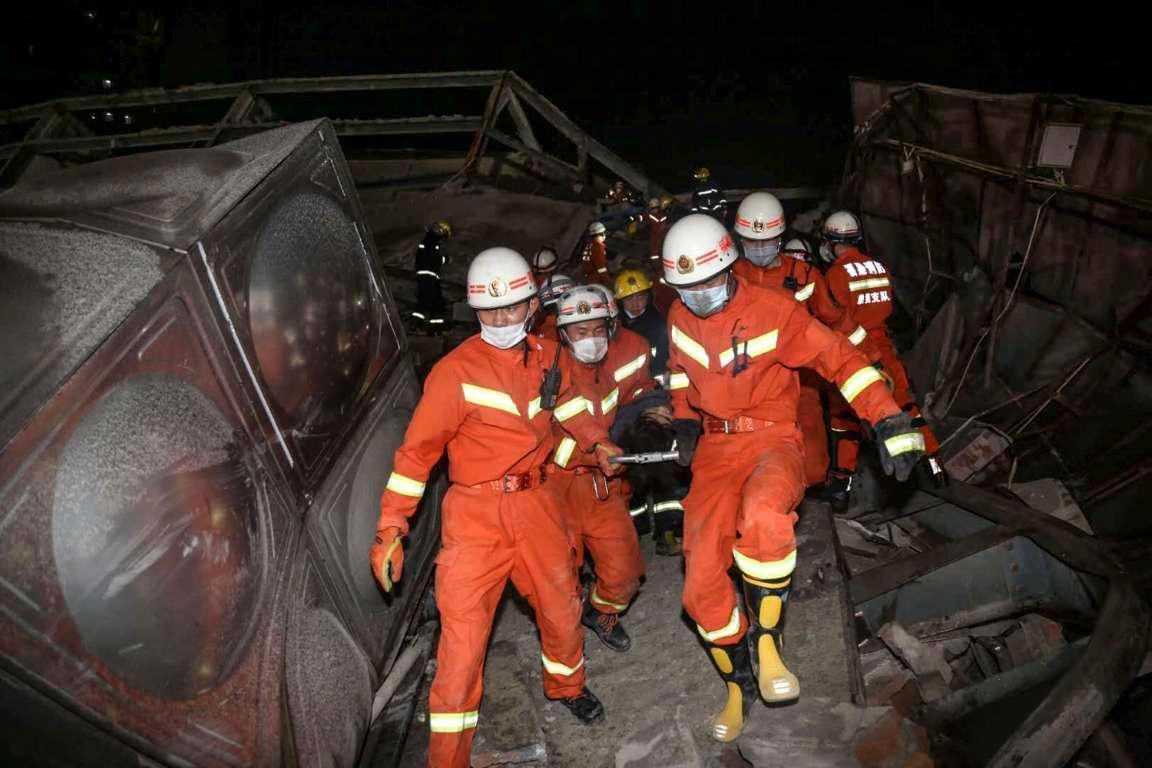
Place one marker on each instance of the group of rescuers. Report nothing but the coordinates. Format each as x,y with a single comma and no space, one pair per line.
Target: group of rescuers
525,409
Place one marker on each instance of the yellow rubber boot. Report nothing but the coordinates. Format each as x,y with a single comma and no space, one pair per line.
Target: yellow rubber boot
735,667
766,601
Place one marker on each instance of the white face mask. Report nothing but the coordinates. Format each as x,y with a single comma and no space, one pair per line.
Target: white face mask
633,316
706,302
503,336
762,253
591,349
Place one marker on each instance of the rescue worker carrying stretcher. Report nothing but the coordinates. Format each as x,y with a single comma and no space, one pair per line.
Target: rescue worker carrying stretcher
760,224
487,403
608,371
861,291
735,348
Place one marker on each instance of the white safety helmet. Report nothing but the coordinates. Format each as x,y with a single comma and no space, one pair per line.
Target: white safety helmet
697,248
545,259
760,217
841,227
609,299
597,228
582,303
553,287
499,277
798,249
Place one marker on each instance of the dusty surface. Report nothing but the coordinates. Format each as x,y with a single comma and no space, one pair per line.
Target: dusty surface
658,696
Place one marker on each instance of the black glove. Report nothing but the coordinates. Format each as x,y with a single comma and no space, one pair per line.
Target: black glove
687,432
901,445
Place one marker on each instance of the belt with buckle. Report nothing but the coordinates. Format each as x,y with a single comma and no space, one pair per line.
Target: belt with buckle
738,424
520,481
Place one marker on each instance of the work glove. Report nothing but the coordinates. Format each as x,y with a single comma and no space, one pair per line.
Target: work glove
387,557
901,445
604,451
687,432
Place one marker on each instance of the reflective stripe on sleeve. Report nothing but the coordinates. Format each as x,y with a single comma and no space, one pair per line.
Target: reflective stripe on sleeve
859,381
405,486
678,381
804,293
858,336
533,408
564,451
609,402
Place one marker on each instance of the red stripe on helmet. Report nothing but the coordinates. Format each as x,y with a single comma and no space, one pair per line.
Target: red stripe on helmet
519,282
710,256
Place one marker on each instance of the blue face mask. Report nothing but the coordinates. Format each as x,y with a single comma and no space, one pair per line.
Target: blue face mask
762,253
707,301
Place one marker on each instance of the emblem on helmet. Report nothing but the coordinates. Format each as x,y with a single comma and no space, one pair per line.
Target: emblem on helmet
684,265
758,225
497,288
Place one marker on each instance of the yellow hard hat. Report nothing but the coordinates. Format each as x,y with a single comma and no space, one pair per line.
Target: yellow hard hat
443,228
702,174
630,282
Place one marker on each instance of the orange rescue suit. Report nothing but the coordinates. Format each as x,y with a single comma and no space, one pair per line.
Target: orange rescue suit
806,284
596,262
737,370
861,287
594,507
482,405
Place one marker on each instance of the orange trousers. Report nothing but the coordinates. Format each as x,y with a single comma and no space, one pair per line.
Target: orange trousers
741,505
810,415
605,528
488,537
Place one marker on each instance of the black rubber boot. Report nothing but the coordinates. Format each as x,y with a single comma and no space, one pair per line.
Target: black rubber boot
766,601
735,666
929,474
586,707
607,627
837,491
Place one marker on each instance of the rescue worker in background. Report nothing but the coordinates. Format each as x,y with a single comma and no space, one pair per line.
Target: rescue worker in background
862,294
482,403
707,197
634,295
544,262
735,348
760,223
657,220
430,306
595,258
551,289
606,373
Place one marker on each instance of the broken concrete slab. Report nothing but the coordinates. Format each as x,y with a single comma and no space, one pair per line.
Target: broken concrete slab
1051,496
664,745
822,733
883,675
973,450
933,673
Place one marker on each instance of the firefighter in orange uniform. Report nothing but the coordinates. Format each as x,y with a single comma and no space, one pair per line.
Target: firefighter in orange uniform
862,293
607,373
595,259
551,289
544,262
735,348
482,403
760,225
656,218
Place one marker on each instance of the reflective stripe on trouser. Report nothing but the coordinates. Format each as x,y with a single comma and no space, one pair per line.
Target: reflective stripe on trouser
844,431
810,415
606,529
489,537
901,389
745,488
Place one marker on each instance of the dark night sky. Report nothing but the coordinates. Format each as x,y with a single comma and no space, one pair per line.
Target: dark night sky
758,91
